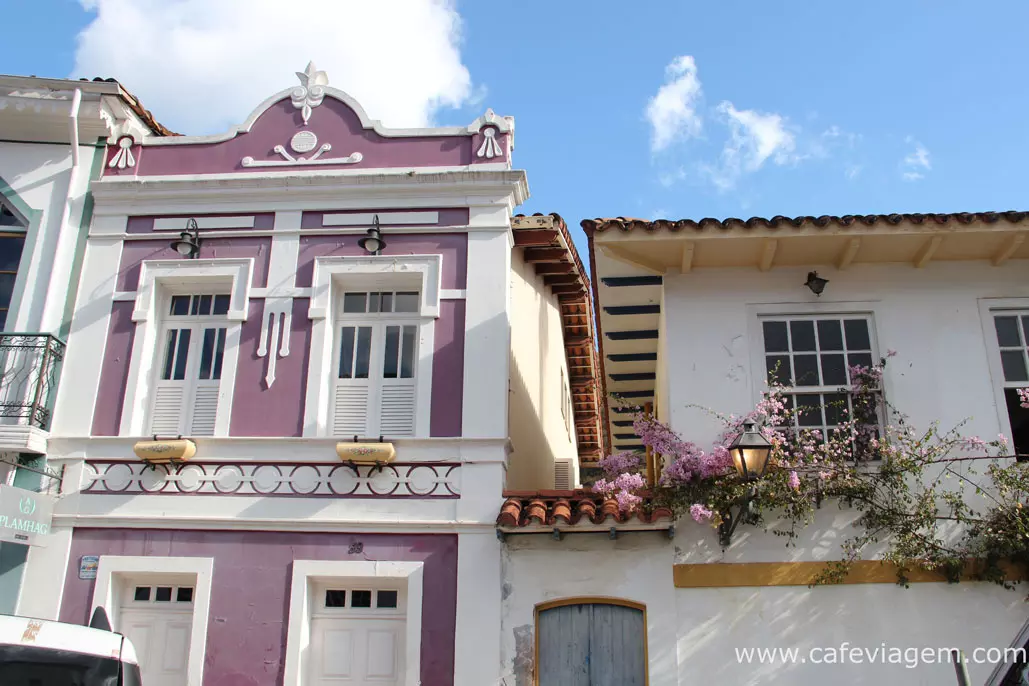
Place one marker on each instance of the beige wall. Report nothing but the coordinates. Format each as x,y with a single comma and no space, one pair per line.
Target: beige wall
538,431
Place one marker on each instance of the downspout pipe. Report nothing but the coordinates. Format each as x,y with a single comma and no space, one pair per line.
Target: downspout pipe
57,288
73,121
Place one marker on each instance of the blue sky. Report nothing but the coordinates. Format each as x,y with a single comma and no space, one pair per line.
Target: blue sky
767,107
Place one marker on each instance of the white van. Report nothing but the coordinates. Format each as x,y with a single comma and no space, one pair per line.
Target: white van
38,652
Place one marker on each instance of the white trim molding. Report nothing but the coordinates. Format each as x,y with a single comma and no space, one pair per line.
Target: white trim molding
187,276
309,572
178,224
426,270
423,272
364,219
116,570
181,272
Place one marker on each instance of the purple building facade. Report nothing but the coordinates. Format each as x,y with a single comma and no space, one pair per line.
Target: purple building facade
282,446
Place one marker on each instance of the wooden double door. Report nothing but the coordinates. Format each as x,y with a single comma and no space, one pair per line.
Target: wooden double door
591,644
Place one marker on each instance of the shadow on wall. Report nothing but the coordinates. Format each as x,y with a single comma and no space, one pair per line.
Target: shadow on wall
530,466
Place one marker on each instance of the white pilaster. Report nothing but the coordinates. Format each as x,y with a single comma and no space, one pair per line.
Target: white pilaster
80,375
487,341
478,632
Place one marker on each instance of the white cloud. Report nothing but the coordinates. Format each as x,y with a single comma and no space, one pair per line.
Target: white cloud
915,163
852,171
754,138
672,112
201,65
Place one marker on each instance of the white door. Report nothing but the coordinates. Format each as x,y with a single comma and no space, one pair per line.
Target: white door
158,620
357,637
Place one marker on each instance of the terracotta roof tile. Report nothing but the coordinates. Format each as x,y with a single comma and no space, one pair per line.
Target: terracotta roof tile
136,106
550,508
599,225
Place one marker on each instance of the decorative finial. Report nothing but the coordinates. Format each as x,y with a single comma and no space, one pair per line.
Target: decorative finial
310,92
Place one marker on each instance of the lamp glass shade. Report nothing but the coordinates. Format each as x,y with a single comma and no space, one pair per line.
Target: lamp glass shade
750,451
184,246
371,243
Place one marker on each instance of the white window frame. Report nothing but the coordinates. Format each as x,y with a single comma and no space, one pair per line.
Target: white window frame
375,382
331,278
988,308
115,572
156,279
756,314
310,576
196,323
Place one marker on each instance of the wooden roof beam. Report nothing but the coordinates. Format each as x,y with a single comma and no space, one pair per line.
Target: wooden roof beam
1009,248
545,255
850,251
534,237
767,254
927,251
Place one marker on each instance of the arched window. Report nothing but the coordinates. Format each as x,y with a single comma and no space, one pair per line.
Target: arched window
591,642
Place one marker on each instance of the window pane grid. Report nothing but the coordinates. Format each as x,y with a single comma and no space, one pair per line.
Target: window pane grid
1012,329
198,305
380,302
815,353
812,356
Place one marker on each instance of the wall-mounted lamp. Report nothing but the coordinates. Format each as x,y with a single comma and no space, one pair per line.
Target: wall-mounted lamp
188,244
815,283
373,241
750,452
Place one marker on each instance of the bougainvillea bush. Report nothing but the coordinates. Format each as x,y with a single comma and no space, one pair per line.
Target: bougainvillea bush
931,498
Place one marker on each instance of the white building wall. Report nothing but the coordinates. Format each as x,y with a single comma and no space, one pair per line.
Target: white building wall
41,174
539,379
712,357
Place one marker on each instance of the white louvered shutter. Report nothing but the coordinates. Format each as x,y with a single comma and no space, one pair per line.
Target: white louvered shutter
562,475
352,386
170,390
209,353
397,392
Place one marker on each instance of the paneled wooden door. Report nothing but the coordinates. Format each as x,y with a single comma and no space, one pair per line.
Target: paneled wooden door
592,644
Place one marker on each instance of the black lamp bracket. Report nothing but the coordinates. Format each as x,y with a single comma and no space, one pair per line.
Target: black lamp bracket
744,513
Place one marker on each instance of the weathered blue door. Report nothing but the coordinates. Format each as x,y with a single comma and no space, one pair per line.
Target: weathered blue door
592,645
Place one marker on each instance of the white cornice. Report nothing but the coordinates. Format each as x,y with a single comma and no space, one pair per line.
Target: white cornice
311,190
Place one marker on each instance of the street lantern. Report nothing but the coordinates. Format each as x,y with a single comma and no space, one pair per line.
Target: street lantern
750,451
188,244
816,283
373,242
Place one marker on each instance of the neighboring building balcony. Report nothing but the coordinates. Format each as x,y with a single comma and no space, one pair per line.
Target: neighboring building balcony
30,366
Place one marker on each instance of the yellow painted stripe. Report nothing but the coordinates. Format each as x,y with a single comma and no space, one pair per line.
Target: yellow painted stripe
734,575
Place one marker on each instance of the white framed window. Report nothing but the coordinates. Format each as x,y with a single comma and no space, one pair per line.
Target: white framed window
376,364
191,358
1011,329
811,355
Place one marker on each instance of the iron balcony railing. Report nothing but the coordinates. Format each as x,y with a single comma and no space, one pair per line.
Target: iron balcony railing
30,366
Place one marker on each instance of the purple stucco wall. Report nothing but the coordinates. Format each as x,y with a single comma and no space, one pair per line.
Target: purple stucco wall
246,636
448,370
262,222
114,370
134,252
333,122
453,247
277,411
